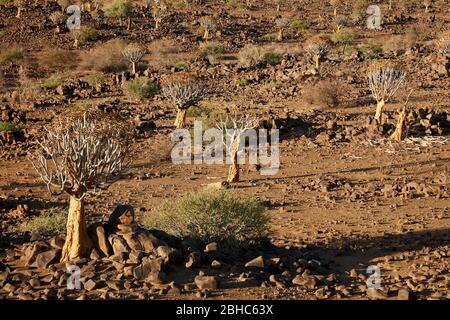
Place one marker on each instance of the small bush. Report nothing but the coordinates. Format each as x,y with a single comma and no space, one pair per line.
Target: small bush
370,51
88,35
344,37
140,88
212,215
271,58
211,51
7,127
119,9
52,82
94,78
299,26
243,82
106,57
48,223
5,2
180,66
323,94
58,59
11,55
250,56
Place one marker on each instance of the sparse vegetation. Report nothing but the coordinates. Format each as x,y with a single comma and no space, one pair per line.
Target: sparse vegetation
47,223
140,88
384,81
212,216
106,57
7,127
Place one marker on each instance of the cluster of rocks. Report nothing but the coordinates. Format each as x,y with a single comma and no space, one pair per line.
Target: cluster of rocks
420,122
437,187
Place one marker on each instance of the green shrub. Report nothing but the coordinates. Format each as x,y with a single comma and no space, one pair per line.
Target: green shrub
180,66
370,51
48,223
212,216
88,35
5,2
299,26
94,78
272,58
140,88
52,82
7,127
11,55
344,37
243,82
119,9
211,51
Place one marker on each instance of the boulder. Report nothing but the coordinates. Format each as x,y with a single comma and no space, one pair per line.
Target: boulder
44,259
122,214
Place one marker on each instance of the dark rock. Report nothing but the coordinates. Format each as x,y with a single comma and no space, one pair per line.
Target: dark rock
170,255
122,214
100,241
148,241
194,260
44,259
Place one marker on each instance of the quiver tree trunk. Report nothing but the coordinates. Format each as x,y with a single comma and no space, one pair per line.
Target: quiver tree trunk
129,23
156,24
280,35
19,12
133,68
317,60
335,12
206,34
399,128
181,118
379,112
233,173
78,244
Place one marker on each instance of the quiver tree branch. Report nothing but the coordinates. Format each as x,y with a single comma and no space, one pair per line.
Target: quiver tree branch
76,155
384,81
184,95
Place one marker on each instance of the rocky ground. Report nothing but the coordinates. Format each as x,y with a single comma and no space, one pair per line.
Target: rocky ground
346,197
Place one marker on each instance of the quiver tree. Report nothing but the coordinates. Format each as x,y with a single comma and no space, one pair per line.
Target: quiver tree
233,131
58,19
121,9
184,95
384,81
282,24
20,4
76,35
317,48
427,4
278,3
334,4
133,53
158,13
399,132
208,24
77,154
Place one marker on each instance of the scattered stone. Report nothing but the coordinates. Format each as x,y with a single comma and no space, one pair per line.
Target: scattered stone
257,262
90,285
44,259
206,282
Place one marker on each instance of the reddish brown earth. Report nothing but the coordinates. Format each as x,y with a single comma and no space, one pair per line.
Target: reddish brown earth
333,201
